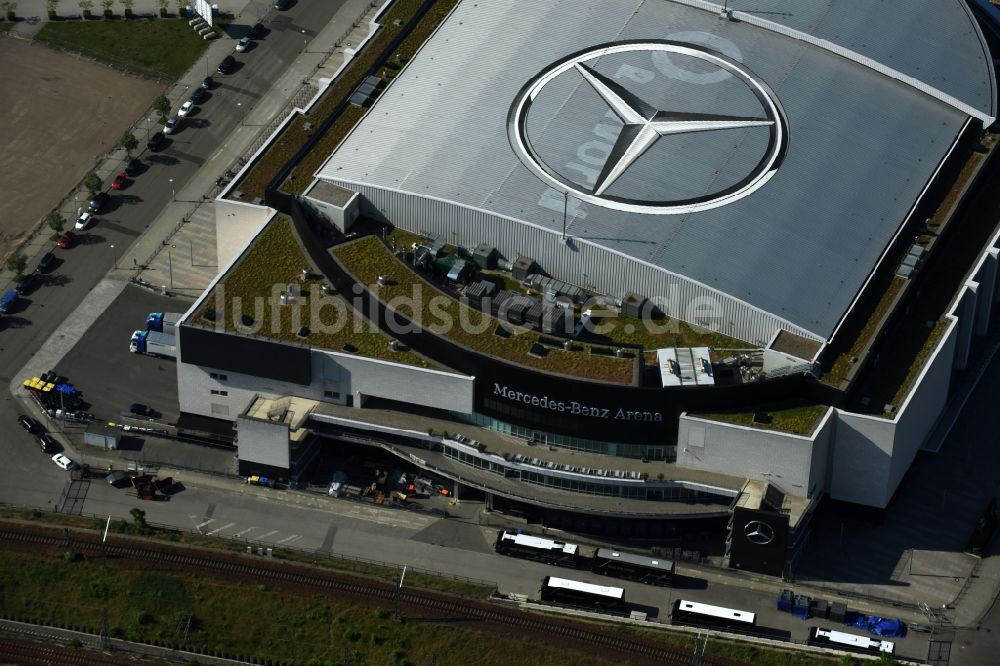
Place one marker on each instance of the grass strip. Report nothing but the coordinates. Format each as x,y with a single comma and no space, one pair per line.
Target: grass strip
154,48
253,286
367,258
798,419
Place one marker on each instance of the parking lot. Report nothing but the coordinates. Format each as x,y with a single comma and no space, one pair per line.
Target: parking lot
112,378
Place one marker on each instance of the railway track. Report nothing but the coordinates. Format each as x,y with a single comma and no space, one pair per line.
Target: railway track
231,564
29,653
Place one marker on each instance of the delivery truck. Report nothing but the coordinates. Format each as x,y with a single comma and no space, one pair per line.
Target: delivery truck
153,344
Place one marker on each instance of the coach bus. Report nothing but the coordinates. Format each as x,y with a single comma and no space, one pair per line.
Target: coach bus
693,614
840,640
581,595
640,568
539,549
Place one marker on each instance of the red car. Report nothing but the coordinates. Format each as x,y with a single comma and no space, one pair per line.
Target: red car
119,181
67,240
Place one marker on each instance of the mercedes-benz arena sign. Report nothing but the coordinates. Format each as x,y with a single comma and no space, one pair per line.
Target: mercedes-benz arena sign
644,124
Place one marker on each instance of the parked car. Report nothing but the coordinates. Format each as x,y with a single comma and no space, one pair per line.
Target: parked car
207,83
186,108
143,410
198,95
29,424
27,284
120,181
243,45
47,444
7,301
45,263
132,168
63,462
227,64
67,240
257,31
84,221
155,142
282,5
172,123
99,201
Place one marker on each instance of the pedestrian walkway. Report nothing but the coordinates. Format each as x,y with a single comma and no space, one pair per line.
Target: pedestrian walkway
184,260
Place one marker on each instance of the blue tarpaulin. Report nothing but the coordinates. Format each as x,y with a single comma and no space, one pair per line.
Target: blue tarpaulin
879,626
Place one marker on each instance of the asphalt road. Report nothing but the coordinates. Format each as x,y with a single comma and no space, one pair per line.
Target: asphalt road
110,376
27,476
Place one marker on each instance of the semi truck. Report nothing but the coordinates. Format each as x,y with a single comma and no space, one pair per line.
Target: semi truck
163,322
154,344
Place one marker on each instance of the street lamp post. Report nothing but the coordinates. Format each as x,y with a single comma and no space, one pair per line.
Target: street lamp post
114,255
173,193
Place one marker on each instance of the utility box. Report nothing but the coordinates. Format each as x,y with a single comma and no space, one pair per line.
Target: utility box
485,256
632,305
523,267
102,435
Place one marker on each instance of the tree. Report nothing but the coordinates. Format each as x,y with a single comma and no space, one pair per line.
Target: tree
16,263
56,222
139,518
107,4
51,6
9,8
128,5
162,106
163,6
128,140
93,183
86,6
181,4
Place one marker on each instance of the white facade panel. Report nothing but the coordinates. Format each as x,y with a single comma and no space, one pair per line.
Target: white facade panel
861,459
335,376
262,442
921,410
765,455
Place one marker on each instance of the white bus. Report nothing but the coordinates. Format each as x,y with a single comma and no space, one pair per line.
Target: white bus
843,641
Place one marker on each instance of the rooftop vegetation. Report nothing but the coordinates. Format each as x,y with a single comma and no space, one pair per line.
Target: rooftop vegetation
368,258
842,365
794,418
295,136
919,361
277,259
156,48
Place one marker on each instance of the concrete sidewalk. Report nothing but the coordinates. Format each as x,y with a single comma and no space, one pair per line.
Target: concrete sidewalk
180,254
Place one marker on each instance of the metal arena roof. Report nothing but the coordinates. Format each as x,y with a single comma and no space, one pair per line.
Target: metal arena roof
874,96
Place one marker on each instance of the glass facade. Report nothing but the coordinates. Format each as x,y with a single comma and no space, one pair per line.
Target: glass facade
663,452
656,491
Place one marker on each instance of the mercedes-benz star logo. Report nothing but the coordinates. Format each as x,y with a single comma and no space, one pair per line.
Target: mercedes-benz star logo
759,532
643,125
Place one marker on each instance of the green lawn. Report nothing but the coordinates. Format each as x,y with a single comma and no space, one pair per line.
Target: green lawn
368,258
798,419
274,261
155,48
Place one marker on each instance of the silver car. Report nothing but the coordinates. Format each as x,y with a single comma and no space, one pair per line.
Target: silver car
172,123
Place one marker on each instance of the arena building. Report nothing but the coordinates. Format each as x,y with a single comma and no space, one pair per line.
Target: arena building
777,185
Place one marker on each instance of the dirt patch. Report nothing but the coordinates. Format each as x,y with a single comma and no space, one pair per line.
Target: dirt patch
60,113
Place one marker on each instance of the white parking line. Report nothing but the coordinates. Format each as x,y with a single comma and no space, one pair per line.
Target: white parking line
291,538
239,534
219,529
201,525
261,537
